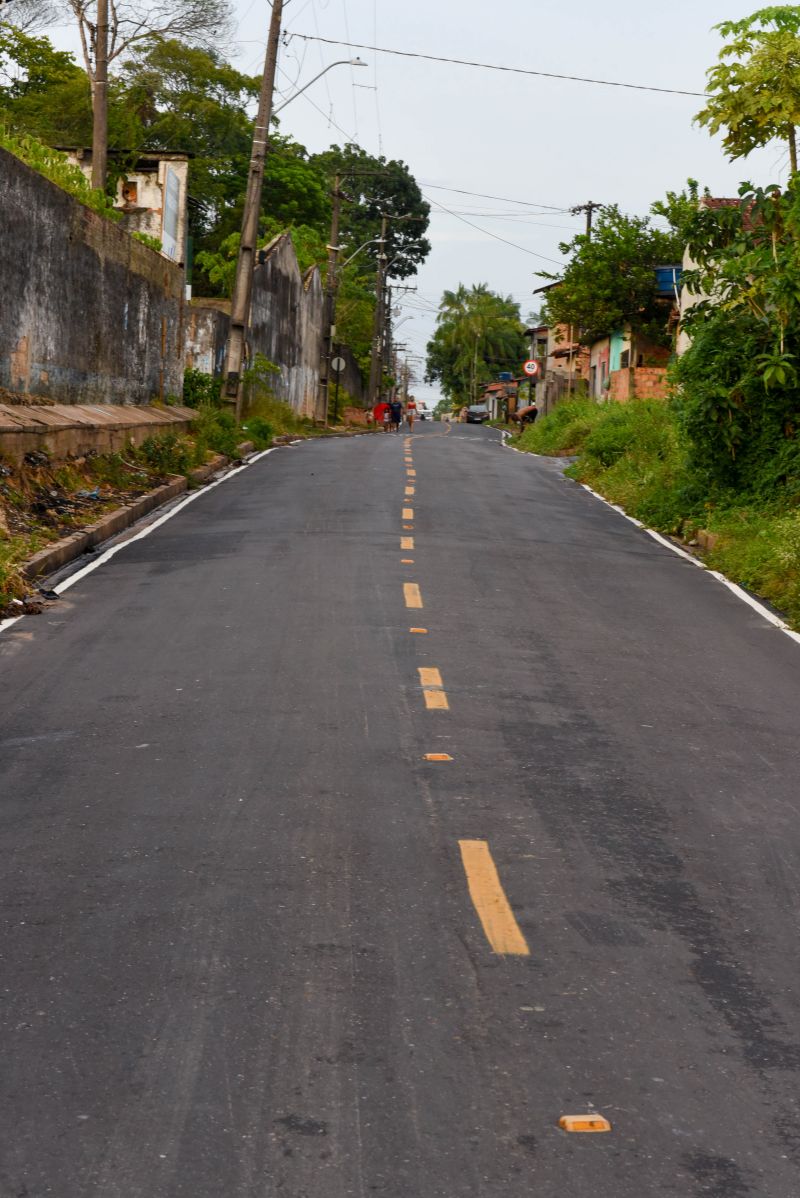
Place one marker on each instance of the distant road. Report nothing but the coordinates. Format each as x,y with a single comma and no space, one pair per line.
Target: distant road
371,815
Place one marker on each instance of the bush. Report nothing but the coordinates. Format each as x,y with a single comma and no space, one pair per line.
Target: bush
564,430
200,388
259,431
169,454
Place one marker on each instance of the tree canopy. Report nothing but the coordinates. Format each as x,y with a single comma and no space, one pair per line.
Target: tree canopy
755,87
609,281
373,187
478,334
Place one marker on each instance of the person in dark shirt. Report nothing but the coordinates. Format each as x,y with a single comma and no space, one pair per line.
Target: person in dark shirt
397,414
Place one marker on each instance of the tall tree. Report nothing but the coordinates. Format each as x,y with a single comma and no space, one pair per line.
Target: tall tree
478,334
373,187
755,86
196,22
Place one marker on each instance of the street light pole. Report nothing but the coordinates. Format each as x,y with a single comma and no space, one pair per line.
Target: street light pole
245,265
342,62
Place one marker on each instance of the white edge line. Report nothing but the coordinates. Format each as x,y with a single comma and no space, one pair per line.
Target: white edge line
738,591
145,532
733,587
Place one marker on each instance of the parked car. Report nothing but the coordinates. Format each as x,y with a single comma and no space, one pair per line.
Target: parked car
477,413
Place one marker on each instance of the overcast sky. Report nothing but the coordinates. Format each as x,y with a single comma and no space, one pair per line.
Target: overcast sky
540,141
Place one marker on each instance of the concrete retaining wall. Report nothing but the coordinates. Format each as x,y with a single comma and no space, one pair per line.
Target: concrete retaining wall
286,325
71,430
208,325
87,314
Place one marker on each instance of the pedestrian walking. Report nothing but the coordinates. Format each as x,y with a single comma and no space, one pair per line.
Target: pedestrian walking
397,414
382,414
411,411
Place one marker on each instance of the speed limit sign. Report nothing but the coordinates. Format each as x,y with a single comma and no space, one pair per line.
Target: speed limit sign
532,368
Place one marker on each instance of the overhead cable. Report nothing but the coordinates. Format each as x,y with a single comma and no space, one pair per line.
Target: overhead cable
493,66
487,232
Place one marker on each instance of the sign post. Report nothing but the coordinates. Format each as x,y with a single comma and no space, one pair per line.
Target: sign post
533,369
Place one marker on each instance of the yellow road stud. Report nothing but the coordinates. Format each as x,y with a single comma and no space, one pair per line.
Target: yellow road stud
584,1123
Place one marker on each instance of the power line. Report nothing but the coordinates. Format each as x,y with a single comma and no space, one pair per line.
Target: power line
482,195
487,232
491,66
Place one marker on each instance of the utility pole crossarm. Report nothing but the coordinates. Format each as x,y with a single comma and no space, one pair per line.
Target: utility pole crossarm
589,208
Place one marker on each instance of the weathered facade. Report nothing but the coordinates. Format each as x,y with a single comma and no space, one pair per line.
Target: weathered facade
152,195
286,324
88,315
208,326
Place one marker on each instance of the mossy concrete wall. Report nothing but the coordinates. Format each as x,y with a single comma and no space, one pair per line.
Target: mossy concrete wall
286,325
87,314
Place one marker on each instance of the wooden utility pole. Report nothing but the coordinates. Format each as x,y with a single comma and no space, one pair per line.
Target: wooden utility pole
100,99
245,265
331,284
589,208
376,359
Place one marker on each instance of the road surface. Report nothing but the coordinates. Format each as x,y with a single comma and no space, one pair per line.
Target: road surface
255,943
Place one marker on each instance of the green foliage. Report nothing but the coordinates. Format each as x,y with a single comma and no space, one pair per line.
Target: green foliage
152,243
478,334
371,187
56,167
215,430
755,86
167,454
564,430
259,431
609,281
201,389
737,388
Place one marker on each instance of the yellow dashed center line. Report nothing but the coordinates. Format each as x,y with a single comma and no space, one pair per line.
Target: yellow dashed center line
411,473
406,561
419,631
410,491
488,897
406,542
438,757
412,594
408,513
435,697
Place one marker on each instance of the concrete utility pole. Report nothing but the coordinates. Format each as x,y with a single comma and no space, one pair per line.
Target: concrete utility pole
100,99
590,208
331,284
376,363
245,265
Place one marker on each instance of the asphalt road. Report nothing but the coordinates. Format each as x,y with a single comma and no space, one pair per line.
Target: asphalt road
255,945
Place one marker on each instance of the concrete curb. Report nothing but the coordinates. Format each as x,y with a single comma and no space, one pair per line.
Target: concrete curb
59,554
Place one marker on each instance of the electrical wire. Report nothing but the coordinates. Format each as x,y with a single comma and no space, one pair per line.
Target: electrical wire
490,66
375,79
487,232
352,71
